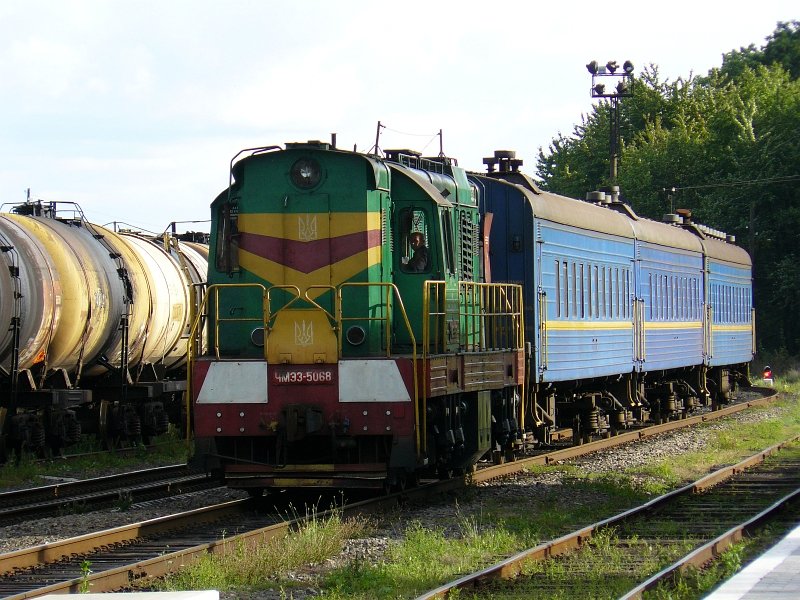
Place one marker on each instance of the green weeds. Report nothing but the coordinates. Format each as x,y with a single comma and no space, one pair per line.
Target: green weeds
166,449
267,564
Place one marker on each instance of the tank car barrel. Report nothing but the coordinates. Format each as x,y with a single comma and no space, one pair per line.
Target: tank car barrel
92,317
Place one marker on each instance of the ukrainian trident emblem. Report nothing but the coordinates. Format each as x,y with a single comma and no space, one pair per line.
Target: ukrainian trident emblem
303,333
307,228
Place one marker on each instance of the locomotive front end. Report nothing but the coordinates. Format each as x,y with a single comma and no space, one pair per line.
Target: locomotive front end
299,387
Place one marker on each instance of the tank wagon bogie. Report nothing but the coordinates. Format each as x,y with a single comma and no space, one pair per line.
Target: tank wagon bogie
96,327
371,320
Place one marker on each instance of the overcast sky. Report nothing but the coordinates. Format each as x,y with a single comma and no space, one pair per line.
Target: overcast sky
133,109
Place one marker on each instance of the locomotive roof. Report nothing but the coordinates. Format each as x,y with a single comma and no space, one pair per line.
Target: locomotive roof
422,182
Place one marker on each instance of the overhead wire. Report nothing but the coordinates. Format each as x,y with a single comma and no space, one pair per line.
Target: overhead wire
781,179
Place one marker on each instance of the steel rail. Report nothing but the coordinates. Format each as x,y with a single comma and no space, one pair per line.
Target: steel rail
64,489
38,504
713,549
512,566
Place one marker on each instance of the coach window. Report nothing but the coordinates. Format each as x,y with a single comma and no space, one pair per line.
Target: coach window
574,290
601,291
589,290
566,290
558,289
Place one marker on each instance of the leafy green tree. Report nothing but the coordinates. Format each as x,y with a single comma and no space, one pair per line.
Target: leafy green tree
782,48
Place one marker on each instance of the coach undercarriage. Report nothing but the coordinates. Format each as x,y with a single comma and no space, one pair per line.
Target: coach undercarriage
606,406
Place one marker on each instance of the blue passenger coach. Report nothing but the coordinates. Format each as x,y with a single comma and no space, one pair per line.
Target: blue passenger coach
629,318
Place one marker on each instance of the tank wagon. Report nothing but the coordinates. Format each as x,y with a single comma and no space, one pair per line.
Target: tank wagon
334,359
93,328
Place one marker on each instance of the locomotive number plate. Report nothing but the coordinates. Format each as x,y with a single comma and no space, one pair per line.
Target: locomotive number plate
319,375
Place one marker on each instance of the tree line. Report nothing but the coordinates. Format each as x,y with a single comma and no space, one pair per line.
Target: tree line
726,146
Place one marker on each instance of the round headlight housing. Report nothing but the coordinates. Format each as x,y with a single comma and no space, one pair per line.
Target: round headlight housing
306,173
356,335
257,337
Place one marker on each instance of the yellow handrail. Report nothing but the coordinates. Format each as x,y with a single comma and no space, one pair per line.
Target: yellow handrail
391,292
192,344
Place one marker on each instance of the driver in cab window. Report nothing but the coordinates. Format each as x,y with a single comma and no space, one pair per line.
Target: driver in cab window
419,259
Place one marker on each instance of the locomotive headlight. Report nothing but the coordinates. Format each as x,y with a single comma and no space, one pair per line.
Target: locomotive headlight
257,337
306,173
356,335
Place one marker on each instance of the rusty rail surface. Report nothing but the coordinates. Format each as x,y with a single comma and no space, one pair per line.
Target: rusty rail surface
134,486
512,567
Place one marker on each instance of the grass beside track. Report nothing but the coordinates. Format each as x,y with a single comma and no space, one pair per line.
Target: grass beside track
479,532
89,461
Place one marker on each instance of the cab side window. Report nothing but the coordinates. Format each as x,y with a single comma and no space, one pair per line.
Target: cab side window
414,241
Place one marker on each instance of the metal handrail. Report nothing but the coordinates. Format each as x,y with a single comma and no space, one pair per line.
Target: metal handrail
391,291
484,308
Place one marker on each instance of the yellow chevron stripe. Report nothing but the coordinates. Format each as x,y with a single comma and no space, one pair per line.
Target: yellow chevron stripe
335,274
286,225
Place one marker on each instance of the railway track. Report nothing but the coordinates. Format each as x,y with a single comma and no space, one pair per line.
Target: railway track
100,492
122,556
565,451
689,526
